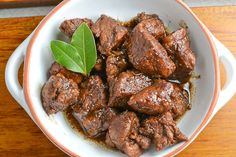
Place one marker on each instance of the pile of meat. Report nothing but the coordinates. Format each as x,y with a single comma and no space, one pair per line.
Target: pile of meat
128,98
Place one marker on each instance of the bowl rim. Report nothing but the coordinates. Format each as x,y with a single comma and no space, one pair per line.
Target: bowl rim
58,143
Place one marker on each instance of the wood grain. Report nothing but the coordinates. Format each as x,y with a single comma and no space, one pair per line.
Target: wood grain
26,3
19,136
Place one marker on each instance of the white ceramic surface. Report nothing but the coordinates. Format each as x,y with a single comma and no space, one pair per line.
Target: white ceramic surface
171,12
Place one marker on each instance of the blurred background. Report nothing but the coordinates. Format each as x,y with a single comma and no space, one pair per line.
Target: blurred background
24,8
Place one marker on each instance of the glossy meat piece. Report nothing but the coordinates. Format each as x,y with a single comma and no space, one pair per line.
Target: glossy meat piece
110,32
127,84
123,135
153,26
92,112
143,16
115,64
153,100
68,27
94,123
162,130
139,18
161,97
147,54
177,41
93,96
59,93
178,46
180,100
57,68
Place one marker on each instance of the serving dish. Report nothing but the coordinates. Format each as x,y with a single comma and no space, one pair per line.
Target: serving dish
35,52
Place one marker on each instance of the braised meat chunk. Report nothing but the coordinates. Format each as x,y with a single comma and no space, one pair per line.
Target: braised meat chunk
110,32
94,123
92,107
153,26
68,27
139,18
115,64
123,134
162,130
153,100
143,16
127,84
178,46
57,68
161,97
147,54
180,102
177,41
59,93
93,96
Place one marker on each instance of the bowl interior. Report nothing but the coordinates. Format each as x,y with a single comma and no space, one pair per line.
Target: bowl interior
172,13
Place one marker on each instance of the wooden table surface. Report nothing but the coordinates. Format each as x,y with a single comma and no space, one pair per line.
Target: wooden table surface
26,3
19,136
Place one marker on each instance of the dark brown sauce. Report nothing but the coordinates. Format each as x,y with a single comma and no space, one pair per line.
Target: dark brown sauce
75,126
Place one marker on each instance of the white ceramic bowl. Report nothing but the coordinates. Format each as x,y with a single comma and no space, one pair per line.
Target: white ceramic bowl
35,51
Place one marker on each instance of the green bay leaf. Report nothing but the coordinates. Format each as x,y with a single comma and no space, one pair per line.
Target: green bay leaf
84,42
68,56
